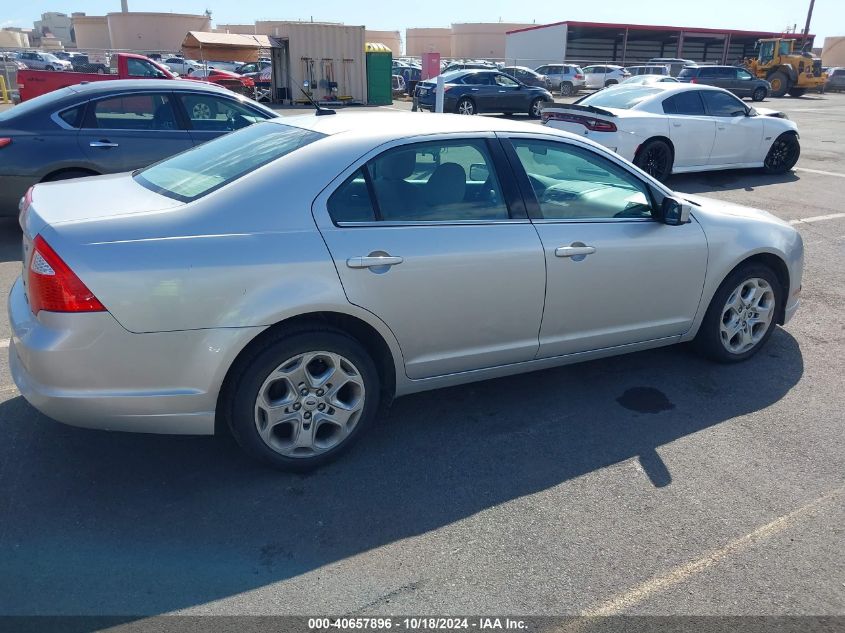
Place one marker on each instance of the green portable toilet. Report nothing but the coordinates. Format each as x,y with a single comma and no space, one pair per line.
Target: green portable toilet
379,74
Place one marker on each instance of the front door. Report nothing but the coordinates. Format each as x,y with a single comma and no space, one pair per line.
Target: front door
510,95
210,116
691,129
422,237
133,130
738,136
615,275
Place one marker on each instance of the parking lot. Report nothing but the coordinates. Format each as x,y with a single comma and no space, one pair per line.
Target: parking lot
653,483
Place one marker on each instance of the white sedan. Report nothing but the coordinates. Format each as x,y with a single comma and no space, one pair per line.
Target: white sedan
667,128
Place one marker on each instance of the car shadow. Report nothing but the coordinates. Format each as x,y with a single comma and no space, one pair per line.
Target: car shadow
107,523
10,240
724,180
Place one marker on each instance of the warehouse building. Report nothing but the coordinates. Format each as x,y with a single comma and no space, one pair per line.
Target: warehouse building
468,40
134,30
628,43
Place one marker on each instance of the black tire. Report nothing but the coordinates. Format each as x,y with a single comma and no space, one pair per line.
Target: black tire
759,94
101,71
783,154
465,106
780,83
708,341
655,158
238,401
190,70
567,89
49,68
535,108
68,174
610,82
797,92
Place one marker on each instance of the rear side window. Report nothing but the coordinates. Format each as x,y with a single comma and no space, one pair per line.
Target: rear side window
687,102
133,112
73,116
197,172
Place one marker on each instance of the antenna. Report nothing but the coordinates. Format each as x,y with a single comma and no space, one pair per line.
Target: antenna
320,110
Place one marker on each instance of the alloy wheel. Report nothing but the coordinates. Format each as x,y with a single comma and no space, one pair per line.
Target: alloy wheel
747,315
781,154
655,160
466,107
309,404
536,108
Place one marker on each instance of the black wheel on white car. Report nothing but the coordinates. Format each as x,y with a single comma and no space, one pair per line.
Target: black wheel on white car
759,94
783,154
741,315
655,158
465,106
302,399
610,82
566,89
536,108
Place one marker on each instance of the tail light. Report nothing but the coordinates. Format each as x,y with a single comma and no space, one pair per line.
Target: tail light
591,123
5,140
53,286
693,80
579,76
23,207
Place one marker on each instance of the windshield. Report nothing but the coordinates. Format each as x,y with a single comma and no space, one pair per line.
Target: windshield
199,171
621,98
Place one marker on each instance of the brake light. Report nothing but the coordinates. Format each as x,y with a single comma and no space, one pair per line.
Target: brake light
53,286
693,80
579,76
591,123
23,207
5,140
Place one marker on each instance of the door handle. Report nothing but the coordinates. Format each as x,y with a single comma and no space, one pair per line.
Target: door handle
102,144
676,124
574,251
721,127
373,261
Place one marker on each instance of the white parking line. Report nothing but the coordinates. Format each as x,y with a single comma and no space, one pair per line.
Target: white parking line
679,574
818,218
819,171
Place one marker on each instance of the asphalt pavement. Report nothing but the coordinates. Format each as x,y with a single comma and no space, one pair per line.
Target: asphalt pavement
653,483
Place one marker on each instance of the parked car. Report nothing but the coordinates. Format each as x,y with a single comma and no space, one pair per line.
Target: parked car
43,61
639,80
182,66
398,86
676,64
527,76
835,79
568,79
667,128
291,328
411,75
653,69
453,66
111,126
483,91
229,66
11,63
603,76
84,64
251,68
230,80
738,80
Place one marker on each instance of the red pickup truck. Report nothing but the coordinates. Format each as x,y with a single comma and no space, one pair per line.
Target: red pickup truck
32,83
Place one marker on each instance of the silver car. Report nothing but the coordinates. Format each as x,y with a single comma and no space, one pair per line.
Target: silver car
288,279
44,61
566,78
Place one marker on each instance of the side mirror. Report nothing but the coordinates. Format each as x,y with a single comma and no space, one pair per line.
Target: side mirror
674,212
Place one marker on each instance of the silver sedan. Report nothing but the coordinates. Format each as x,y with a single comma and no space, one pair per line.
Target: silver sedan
287,280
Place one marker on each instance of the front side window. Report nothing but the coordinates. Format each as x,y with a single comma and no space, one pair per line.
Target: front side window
199,171
218,114
438,181
572,183
504,80
743,74
722,104
133,112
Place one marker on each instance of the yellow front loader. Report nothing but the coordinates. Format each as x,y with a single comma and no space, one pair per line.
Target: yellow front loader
789,72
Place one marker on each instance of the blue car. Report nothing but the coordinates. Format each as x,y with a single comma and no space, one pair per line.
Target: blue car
477,91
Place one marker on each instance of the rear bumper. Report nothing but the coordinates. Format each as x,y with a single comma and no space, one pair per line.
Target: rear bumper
86,370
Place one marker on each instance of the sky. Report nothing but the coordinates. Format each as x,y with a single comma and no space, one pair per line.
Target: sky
772,15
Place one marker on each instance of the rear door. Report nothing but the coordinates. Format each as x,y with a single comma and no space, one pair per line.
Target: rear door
432,238
132,130
691,129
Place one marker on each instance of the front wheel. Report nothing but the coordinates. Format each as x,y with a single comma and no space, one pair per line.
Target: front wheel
566,89
465,106
536,109
741,316
779,82
759,94
655,158
783,154
303,399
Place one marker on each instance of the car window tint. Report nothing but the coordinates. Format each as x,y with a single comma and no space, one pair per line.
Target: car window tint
72,116
351,201
134,112
687,103
743,74
504,80
571,183
437,181
722,104
217,114
142,68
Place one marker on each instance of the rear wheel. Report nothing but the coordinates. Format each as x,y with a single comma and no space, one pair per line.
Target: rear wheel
783,154
566,89
465,106
759,94
780,83
741,316
797,92
655,158
49,68
535,109
610,82
303,399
